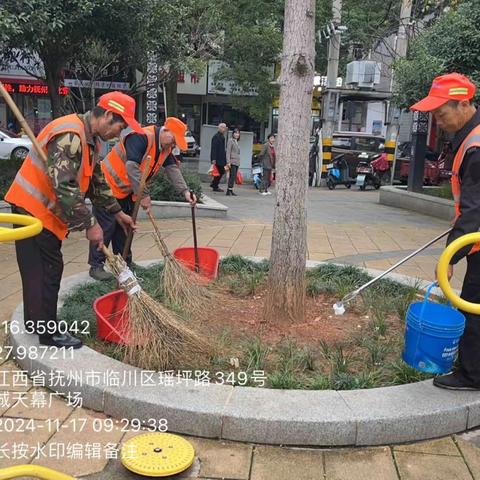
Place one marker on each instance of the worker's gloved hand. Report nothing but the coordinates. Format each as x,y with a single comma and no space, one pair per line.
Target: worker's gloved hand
125,221
146,203
95,235
190,197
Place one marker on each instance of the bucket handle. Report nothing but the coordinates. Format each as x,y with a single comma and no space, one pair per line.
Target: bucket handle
426,299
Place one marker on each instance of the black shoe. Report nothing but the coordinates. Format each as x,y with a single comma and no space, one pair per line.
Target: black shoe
234,194
454,381
229,192
98,273
218,190
61,340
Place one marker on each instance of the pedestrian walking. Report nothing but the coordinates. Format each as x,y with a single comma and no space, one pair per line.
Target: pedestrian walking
55,194
233,160
218,155
451,102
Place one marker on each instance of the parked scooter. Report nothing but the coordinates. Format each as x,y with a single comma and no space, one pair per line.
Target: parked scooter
366,175
338,173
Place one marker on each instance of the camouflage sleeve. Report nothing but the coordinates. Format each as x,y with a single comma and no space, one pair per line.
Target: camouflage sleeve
100,193
64,160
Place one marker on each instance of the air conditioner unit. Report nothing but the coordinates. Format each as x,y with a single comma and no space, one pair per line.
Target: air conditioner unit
363,73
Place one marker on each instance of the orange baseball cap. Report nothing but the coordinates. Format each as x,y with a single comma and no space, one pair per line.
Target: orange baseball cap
178,128
123,105
452,86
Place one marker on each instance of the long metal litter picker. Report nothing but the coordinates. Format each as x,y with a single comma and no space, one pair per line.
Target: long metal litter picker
339,307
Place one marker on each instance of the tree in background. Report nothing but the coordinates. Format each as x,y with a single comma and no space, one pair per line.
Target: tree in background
285,301
51,34
184,34
451,44
252,47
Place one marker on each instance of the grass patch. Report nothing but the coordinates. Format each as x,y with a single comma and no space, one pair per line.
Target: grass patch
370,357
443,191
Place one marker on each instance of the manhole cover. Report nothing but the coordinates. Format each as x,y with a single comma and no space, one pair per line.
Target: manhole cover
157,454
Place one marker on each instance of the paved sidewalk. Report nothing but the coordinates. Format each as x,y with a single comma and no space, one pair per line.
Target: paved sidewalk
347,227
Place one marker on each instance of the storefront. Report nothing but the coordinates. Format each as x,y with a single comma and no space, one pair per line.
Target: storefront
191,89
31,97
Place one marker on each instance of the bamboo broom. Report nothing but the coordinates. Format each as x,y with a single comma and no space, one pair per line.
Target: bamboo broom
180,285
157,338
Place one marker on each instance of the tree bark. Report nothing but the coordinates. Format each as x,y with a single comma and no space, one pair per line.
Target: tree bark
285,301
53,73
171,86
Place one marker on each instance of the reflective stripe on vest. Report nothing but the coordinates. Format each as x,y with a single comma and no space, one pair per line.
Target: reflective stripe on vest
126,188
31,190
115,169
472,140
32,187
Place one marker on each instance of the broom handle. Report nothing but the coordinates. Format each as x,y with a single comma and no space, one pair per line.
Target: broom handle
23,122
136,208
165,251
195,242
106,252
352,295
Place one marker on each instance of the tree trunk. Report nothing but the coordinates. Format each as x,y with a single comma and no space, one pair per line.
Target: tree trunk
53,73
171,86
285,301
93,102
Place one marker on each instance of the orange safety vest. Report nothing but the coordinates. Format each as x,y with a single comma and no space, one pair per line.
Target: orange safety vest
32,187
114,165
472,140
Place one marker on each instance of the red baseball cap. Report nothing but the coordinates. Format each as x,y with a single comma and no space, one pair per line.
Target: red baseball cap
123,105
178,129
452,86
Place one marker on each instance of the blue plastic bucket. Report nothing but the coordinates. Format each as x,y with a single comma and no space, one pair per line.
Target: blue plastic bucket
432,333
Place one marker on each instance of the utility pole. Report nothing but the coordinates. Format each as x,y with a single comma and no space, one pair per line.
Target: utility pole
401,46
329,100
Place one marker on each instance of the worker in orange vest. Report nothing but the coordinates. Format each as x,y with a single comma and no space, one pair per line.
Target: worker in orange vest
55,194
451,102
123,167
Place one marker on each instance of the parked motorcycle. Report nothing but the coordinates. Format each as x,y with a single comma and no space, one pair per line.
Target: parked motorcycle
366,175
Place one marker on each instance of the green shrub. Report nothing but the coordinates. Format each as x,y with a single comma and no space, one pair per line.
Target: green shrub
444,191
7,174
239,264
162,189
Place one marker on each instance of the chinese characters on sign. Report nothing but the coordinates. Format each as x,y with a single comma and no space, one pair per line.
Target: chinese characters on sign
151,110
32,89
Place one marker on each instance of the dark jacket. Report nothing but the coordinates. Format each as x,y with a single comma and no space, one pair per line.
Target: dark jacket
217,151
266,157
469,220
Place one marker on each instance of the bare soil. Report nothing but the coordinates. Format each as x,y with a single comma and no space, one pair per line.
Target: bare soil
242,317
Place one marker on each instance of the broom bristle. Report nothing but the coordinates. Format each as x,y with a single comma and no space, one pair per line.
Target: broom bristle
157,338
182,286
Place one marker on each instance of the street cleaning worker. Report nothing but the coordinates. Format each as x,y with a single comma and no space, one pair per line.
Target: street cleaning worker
450,101
123,168
56,195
